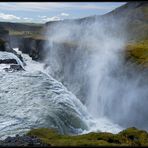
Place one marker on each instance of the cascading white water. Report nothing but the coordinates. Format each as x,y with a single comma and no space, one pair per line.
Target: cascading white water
32,99
35,100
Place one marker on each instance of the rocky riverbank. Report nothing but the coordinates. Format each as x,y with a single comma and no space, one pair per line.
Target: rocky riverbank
22,141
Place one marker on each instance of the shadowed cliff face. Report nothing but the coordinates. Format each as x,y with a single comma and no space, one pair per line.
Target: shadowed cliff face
4,35
5,43
35,48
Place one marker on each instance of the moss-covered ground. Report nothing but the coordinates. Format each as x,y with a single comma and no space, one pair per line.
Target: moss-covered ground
128,137
138,52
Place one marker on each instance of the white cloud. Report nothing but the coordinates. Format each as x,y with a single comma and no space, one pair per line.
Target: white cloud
48,11
54,18
9,17
32,6
64,14
26,19
42,16
14,18
94,7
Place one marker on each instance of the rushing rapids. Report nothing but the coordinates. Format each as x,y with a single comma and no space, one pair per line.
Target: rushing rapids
32,98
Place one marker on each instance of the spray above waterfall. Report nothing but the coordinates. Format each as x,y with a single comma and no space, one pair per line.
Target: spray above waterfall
88,58
85,53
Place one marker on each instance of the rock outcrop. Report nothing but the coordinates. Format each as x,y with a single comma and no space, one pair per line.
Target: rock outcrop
5,43
36,48
22,141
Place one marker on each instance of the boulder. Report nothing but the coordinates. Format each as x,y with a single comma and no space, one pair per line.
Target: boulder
22,141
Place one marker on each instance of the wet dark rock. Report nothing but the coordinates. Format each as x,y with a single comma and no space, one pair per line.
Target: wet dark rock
4,46
13,68
16,67
22,141
8,61
8,139
35,48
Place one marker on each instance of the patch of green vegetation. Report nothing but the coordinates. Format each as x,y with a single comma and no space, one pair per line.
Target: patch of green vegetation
28,34
33,24
134,137
138,52
128,137
39,37
23,33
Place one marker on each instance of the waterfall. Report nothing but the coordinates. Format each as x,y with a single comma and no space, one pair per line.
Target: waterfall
88,86
32,99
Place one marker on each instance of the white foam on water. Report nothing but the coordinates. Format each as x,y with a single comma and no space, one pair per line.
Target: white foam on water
93,124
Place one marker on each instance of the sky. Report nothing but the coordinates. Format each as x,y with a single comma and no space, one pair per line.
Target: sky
41,12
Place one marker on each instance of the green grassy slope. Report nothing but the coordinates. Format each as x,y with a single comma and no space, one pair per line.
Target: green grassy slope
128,137
138,51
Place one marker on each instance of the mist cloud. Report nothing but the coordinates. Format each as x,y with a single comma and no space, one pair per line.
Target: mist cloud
88,57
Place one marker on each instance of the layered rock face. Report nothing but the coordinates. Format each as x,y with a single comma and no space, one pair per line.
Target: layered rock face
5,47
15,40
4,35
5,44
36,48
4,40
